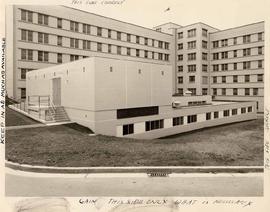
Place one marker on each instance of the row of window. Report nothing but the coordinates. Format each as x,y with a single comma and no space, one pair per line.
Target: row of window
192,33
86,29
192,68
27,54
235,78
245,53
191,79
176,121
245,65
191,56
247,91
191,45
236,40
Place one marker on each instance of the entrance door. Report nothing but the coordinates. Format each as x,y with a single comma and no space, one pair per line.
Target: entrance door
56,87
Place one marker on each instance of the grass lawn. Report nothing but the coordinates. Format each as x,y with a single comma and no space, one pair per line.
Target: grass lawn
14,118
230,145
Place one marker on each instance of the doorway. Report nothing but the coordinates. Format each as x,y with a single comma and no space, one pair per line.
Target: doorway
56,87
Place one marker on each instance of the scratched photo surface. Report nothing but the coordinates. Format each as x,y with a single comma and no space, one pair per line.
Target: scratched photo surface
125,103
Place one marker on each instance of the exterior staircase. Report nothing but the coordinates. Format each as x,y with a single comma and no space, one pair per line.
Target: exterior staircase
58,114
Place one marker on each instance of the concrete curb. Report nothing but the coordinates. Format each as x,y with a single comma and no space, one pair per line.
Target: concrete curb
143,169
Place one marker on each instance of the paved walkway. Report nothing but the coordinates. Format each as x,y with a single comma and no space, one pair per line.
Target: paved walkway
25,126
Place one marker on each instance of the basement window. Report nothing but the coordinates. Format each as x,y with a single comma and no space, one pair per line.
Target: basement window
128,129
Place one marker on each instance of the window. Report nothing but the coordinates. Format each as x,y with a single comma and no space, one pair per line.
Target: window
215,79
192,45
259,77
235,78
260,62
223,79
204,91
204,44
74,26
146,41
145,54
260,36
74,57
153,42
23,15
136,112
215,68
204,80
204,32
247,78
180,91
43,56
43,38
128,129
74,43
235,41
166,57
234,112
226,113
191,68
99,31
109,33
128,51
249,109
166,45
153,55
223,91
59,40
23,93
26,35
246,52
191,33
180,35
216,115
204,68
137,53
215,44
180,68
43,19
59,23
224,55
243,110
86,29
215,56
204,56
86,44
160,44
192,56
255,91
214,91
137,39
208,116
191,79
247,92
128,37
191,119
26,54
235,66
99,47
235,91
260,50
224,42
118,35
180,80
180,57
234,53
153,125
224,67
26,16
23,73
178,121
246,39
193,91
59,58
246,65
118,49
180,46
109,48
160,56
